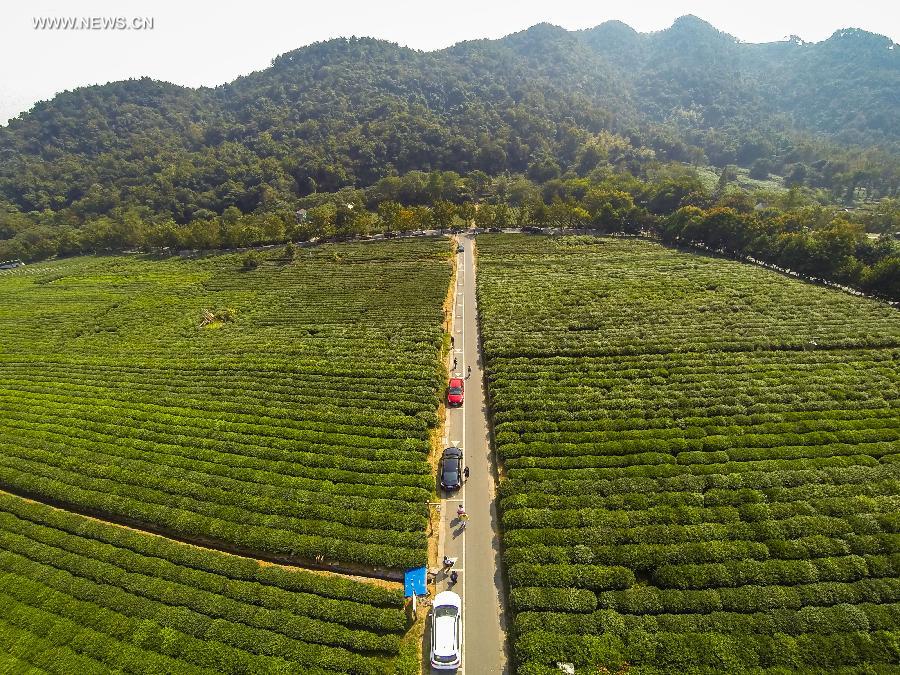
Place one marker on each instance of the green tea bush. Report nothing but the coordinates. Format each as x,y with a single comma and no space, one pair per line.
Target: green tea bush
559,599
301,428
116,599
726,435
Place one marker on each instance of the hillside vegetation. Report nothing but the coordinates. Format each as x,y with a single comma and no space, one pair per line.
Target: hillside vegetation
700,460
348,112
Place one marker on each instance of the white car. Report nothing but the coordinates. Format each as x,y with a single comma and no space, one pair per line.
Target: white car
446,631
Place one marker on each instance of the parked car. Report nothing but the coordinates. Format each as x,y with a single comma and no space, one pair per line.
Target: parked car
452,468
446,631
460,248
456,392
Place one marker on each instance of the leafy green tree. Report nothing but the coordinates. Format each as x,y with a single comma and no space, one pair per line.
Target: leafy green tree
251,261
687,219
423,218
540,214
345,219
202,234
389,215
322,220
667,194
521,216
501,216
443,213
544,170
272,227
231,216
885,218
883,277
478,182
484,215
69,242
164,235
364,222
466,211
409,219
760,169
612,210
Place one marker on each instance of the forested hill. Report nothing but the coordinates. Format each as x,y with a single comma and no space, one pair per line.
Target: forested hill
350,111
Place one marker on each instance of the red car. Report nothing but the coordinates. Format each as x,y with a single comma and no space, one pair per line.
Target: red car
455,392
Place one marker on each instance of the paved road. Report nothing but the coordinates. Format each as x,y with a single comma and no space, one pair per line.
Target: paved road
476,546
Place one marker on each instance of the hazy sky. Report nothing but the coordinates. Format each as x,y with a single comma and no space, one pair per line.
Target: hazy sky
201,42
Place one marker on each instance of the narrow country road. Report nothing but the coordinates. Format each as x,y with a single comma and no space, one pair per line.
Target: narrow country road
477,546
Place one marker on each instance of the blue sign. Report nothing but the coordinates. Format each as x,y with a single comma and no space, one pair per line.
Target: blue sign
415,582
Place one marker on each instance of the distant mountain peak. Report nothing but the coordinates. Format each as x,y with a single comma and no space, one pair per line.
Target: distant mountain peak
544,26
541,31
346,45
693,27
690,19
612,28
858,36
852,33
618,42
614,24
692,22
541,38
856,44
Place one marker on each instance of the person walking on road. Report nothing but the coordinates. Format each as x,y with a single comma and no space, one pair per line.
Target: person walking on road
460,511
454,363
468,372
466,474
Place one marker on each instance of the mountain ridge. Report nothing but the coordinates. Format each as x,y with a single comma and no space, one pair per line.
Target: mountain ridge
349,111
601,28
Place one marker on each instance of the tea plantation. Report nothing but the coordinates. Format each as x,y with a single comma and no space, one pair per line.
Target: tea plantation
83,596
282,410
700,461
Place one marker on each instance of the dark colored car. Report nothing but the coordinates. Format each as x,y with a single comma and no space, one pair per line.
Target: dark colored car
451,468
460,248
455,392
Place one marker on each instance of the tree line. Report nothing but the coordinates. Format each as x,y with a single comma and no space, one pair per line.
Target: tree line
790,228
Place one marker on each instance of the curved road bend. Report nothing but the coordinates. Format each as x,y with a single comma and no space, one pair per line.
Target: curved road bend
477,546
